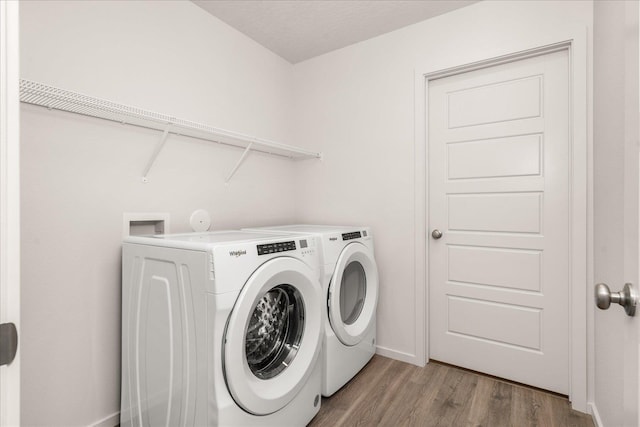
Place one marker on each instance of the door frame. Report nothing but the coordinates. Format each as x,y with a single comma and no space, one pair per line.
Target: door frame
572,38
10,202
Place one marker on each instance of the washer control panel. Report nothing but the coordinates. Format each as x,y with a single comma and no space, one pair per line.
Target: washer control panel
352,235
272,248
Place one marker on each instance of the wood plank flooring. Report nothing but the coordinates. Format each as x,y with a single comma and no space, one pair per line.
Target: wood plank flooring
392,393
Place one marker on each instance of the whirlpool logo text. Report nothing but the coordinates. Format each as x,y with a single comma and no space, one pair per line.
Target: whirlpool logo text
237,253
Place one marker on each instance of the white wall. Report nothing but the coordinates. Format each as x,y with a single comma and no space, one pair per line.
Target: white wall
616,196
80,174
357,105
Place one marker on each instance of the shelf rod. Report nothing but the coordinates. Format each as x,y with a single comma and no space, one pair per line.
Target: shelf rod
233,171
154,156
60,99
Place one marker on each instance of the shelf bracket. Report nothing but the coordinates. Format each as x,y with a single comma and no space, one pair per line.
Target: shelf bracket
235,168
154,156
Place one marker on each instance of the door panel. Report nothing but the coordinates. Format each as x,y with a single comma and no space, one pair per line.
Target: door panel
508,324
509,100
479,212
508,268
519,156
498,190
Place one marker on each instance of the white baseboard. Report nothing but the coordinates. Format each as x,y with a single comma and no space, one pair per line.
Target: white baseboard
398,355
594,414
108,421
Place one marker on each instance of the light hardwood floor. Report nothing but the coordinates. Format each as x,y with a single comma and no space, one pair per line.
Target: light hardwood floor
392,393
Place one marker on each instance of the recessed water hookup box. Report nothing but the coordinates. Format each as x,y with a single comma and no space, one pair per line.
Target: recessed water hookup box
139,223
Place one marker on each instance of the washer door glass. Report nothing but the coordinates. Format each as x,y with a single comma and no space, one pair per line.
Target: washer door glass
275,330
272,339
353,293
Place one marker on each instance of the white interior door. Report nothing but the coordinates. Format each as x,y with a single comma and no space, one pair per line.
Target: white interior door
615,341
499,194
622,408
9,204
631,325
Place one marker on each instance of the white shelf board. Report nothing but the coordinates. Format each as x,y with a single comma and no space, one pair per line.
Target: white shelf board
59,99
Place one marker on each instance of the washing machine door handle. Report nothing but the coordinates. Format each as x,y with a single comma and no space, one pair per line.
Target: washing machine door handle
353,294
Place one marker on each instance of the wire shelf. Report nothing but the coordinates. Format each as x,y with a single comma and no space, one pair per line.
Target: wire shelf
60,99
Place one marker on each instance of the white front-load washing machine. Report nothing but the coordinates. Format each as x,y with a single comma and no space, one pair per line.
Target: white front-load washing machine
220,329
349,277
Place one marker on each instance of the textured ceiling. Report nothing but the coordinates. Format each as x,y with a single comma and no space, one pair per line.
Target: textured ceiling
301,29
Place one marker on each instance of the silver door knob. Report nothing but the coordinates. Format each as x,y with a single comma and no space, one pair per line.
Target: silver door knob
436,234
626,298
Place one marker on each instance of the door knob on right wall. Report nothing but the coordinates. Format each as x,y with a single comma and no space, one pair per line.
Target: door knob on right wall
627,298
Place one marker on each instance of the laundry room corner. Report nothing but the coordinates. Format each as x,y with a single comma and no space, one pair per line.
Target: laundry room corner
356,105
81,174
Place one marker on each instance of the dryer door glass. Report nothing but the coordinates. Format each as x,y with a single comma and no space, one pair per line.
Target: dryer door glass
352,292
274,331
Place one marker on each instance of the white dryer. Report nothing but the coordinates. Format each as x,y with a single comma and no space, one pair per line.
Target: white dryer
220,329
349,277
